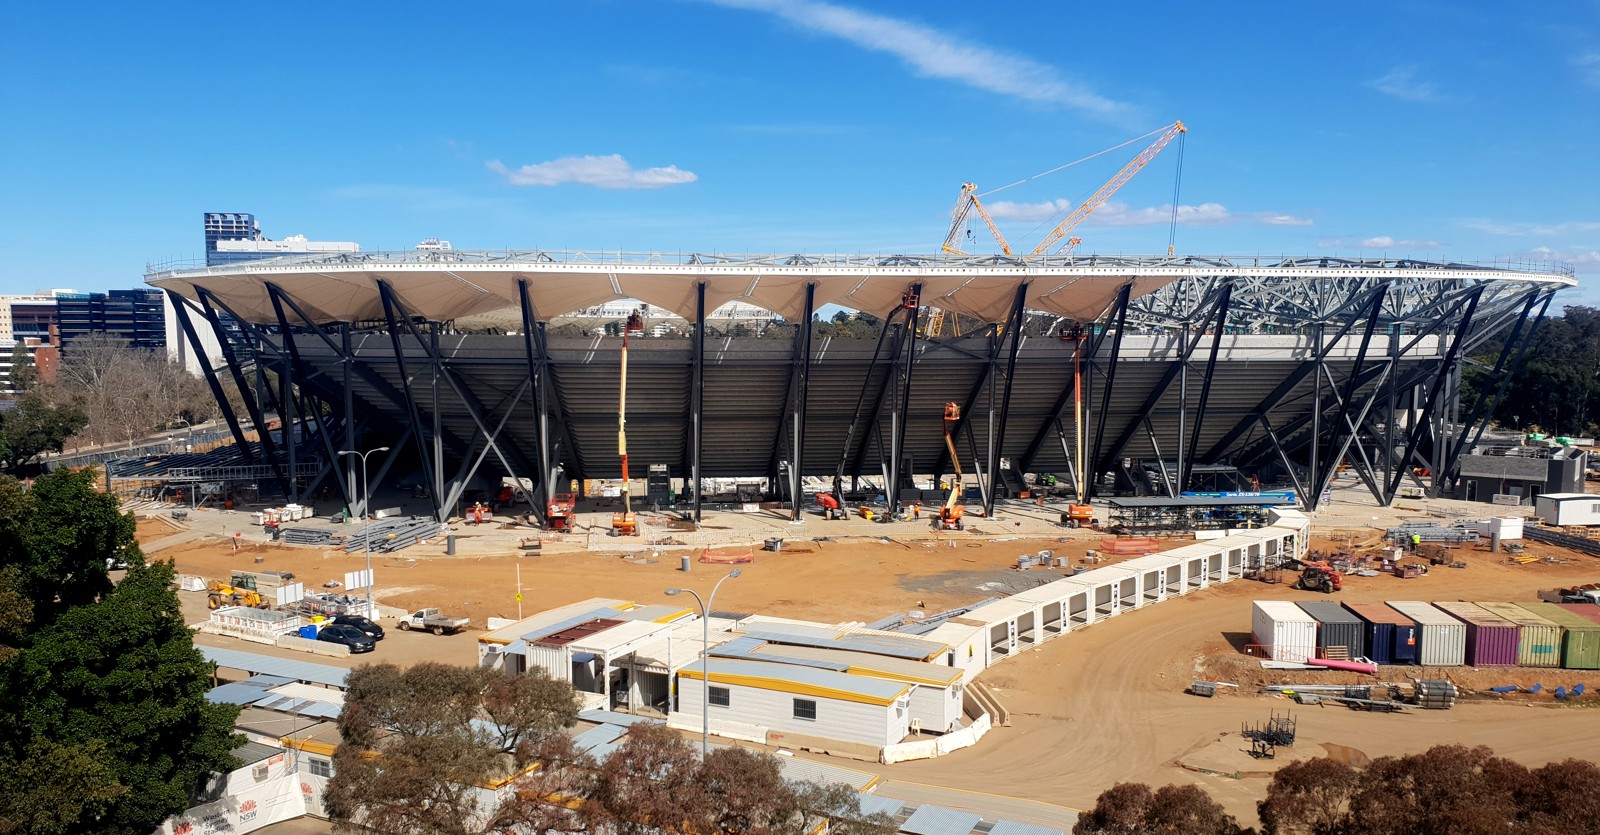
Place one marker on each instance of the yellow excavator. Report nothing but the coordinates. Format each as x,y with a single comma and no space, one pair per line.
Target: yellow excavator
950,513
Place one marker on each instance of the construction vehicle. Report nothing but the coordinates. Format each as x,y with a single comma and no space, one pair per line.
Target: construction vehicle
223,595
558,513
625,523
950,513
1080,514
831,508
1316,575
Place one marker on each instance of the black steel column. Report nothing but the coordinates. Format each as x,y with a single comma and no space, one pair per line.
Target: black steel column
1094,465
1321,480
252,403
891,491
298,365
1478,416
544,488
350,440
1439,379
384,293
802,384
181,307
697,396
1018,313
1221,324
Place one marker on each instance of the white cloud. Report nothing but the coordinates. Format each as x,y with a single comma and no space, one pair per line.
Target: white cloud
1588,68
935,54
1121,214
601,172
1380,242
1584,259
1521,229
1402,83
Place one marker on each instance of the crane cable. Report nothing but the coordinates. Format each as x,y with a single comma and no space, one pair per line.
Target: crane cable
1177,191
1075,162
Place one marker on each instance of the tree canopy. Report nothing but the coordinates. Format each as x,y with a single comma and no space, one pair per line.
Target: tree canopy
107,728
35,425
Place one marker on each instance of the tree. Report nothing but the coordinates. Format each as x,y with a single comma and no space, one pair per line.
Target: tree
126,391
647,785
1310,797
110,730
36,426
417,743
1133,809
1561,797
24,373
839,806
58,537
541,800
744,792
1446,790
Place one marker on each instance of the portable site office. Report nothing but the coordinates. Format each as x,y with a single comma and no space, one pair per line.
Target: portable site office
1010,626
1160,576
803,701
969,651
936,693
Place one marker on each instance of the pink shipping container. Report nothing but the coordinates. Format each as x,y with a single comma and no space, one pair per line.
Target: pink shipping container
1491,639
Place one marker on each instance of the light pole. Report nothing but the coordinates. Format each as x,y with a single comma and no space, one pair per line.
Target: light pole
366,497
705,657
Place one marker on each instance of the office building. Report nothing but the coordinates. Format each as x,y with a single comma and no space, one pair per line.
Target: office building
134,315
235,237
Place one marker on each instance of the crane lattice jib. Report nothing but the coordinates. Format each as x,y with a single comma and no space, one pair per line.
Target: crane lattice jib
958,218
1100,197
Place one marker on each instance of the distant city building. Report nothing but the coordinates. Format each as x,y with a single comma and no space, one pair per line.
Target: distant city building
134,315
435,244
235,237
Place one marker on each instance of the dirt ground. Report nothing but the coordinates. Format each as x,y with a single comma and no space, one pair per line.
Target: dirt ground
1095,707
1107,704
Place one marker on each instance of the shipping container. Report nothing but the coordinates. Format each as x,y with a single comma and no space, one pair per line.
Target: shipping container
1444,639
1580,646
1491,639
1284,629
1538,639
1336,627
1391,636
1588,611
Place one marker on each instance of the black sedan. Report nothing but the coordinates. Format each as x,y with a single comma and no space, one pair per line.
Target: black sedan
367,627
338,633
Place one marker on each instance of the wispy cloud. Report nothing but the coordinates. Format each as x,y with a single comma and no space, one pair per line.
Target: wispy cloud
1536,230
1402,83
1585,259
935,54
1588,66
1121,214
601,172
1379,242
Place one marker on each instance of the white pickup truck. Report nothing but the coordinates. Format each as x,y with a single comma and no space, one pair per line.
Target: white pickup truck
433,621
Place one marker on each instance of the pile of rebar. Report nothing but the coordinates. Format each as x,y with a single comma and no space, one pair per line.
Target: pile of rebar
307,536
393,534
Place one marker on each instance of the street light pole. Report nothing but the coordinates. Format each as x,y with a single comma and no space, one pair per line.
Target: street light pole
705,657
366,515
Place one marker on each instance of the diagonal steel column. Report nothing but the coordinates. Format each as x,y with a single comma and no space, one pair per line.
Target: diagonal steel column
252,404
346,363
1018,311
1439,379
1478,416
1221,312
385,294
882,397
274,293
802,386
1093,465
544,488
891,491
1324,476
697,397
180,306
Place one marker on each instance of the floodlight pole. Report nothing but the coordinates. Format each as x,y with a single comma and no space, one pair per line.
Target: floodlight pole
705,657
366,515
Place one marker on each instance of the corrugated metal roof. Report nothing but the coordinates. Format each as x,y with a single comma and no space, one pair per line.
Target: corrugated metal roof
1014,828
301,707
796,770
937,820
235,693
260,680
899,646
292,670
788,678
511,631
746,648
1423,613
1001,611
901,669
268,722
872,804
655,613
251,753
1516,614
310,692
598,736
620,633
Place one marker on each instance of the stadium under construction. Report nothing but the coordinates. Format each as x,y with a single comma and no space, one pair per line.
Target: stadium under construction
1134,376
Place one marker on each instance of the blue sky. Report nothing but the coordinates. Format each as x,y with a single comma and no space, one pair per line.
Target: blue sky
1432,130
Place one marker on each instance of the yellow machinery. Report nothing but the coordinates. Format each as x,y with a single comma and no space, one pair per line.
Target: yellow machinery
1099,198
625,523
1080,514
223,595
950,513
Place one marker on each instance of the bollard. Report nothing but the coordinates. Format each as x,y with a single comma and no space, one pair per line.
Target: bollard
683,564
450,545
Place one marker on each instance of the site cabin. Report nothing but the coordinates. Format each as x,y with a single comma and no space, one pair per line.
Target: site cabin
433,621
797,701
1563,509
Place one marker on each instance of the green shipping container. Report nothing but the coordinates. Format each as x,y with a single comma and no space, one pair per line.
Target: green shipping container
1581,649
1539,639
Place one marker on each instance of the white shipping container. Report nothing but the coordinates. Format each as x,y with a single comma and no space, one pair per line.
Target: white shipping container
1444,639
1285,629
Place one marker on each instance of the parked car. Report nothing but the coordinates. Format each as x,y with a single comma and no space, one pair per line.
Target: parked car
433,621
367,627
339,633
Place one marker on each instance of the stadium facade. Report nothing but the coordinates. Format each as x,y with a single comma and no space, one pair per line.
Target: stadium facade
1279,369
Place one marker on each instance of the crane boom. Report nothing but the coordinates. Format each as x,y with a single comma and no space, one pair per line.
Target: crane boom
958,218
1099,198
